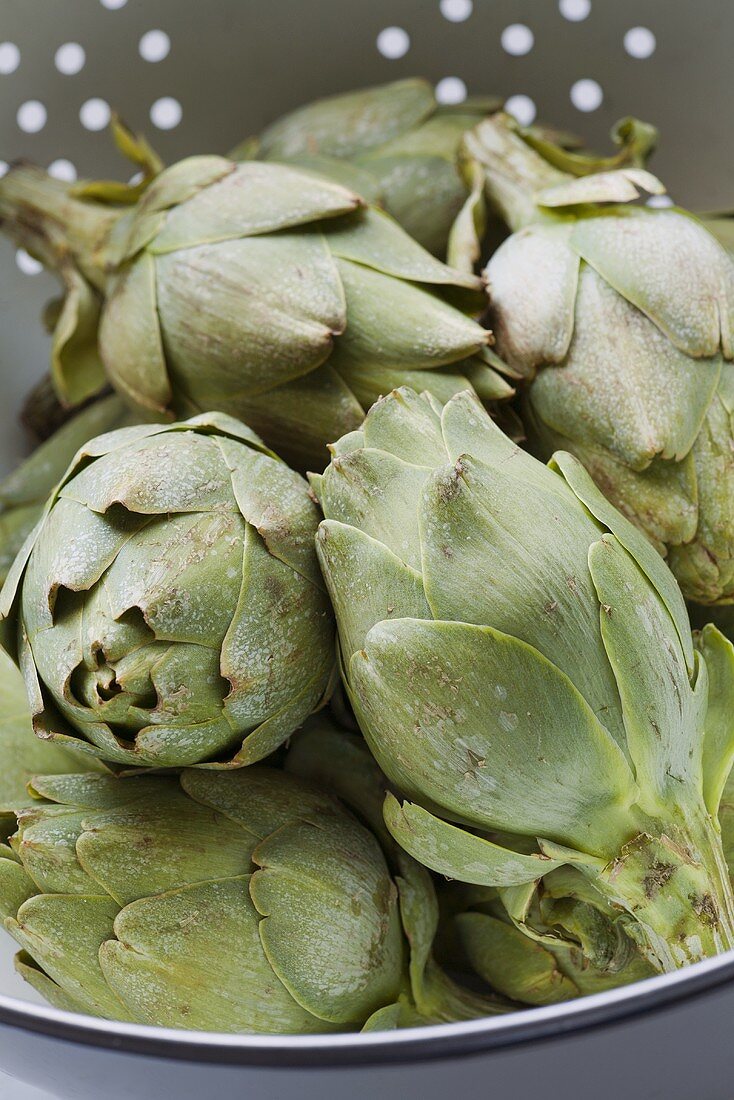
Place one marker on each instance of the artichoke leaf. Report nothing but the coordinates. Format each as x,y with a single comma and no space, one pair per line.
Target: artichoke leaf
532,281
619,186
367,583
718,745
644,650
170,947
76,367
634,543
458,854
302,894
130,338
693,304
533,731
255,198
373,239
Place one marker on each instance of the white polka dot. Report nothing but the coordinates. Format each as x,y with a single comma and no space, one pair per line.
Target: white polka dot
586,95
154,46
517,39
31,116
393,42
62,170
574,10
9,58
95,114
456,11
451,90
69,58
660,201
113,5
522,108
3,167
639,42
166,113
26,263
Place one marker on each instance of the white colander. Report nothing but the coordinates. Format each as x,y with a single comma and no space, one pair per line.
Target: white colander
199,76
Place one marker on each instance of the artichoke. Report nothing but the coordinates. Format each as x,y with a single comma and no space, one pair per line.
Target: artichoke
394,144
23,494
520,661
168,609
241,901
619,317
268,293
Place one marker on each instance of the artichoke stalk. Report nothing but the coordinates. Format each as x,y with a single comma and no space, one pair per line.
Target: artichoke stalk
256,289
619,317
394,144
168,610
520,661
24,492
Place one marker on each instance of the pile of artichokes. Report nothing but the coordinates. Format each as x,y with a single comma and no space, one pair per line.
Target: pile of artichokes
325,704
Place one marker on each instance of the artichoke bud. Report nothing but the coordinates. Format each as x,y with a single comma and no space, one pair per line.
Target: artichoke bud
473,698
620,318
242,901
167,609
266,292
394,144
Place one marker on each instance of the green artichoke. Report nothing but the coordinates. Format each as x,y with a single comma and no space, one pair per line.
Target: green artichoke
23,494
620,319
520,661
394,144
268,293
242,901
168,608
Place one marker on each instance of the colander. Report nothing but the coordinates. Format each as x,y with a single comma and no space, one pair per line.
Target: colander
199,77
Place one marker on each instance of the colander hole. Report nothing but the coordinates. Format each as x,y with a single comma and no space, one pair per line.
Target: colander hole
574,10
166,113
639,42
94,114
62,169
393,42
154,46
3,167
113,5
522,108
660,201
456,11
586,95
450,90
26,263
9,58
517,39
69,59
31,116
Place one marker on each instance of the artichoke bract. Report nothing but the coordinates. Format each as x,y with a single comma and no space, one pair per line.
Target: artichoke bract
24,492
268,293
244,901
168,609
520,661
619,316
394,144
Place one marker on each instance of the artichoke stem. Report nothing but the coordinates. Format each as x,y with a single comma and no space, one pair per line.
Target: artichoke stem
42,214
677,888
513,171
